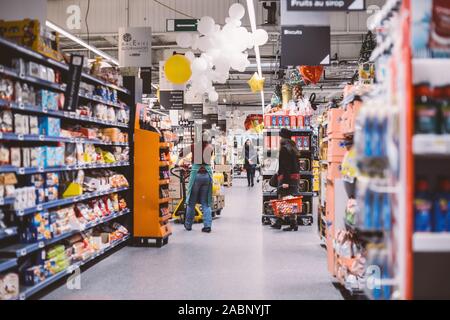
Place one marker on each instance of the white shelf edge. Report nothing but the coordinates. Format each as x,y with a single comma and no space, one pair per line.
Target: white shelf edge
431,242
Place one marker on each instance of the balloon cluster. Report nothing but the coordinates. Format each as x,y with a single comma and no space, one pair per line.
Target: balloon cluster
222,49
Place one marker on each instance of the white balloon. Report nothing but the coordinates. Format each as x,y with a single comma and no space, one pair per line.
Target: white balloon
206,25
184,40
190,56
236,11
199,65
260,37
232,22
194,44
213,96
205,43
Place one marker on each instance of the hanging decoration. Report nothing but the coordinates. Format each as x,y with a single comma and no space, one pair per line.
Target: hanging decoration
295,77
311,74
256,83
178,69
222,49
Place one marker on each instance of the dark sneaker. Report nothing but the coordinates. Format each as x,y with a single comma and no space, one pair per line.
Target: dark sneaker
188,228
206,229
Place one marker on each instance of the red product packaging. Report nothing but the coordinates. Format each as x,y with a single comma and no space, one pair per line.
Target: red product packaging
300,121
293,121
267,142
267,119
280,121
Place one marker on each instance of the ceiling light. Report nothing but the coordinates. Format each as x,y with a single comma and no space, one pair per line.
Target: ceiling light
224,100
66,34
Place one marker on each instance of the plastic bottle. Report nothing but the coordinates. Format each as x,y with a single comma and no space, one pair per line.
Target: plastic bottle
442,206
423,206
376,207
386,213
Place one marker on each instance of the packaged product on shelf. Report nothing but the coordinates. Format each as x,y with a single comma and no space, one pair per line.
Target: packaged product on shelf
26,157
33,123
4,155
36,228
9,286
60,220
423,204
441,210
34,275
6,121
15,157
6,89
21,124
33,69
49,126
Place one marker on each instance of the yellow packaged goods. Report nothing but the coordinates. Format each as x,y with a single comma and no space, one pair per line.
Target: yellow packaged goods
73,190
218,178
216,189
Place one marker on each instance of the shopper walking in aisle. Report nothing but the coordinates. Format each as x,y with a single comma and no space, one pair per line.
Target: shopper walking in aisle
288,174
250,161
200,184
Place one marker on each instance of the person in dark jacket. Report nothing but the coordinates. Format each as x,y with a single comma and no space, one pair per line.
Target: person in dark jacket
288,174
250,161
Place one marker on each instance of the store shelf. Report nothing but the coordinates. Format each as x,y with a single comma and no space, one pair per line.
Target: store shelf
32,170
297,130
99,100
33,54
8,232
6,264
28,291
427,68
431,242
30,79
53,63
6,201
431,145
41,138
34,109
23,249
67,201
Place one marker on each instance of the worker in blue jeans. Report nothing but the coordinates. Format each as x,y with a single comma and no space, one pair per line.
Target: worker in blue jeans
200,186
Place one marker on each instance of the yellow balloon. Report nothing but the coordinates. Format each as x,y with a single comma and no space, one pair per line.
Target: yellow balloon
178,69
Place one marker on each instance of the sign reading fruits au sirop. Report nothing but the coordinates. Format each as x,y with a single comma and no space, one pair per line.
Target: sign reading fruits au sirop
326,5
135,47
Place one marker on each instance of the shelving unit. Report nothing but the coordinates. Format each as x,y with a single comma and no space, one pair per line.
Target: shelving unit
14,254
151,226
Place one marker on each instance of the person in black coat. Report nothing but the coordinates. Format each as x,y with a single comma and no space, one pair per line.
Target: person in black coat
250,160
288,174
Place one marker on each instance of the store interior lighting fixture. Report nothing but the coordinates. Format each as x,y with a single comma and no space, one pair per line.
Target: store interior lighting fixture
70,36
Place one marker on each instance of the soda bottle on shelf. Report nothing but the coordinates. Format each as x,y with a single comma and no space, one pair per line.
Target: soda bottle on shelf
441,210
423,206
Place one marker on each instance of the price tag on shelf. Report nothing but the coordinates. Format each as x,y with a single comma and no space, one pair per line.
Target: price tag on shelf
9,231
20,137
41,169
44,109
23,252
41,244
21,106
21,171
41,137
39,207
20,213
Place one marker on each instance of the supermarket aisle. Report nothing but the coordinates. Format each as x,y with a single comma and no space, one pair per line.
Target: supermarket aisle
241,259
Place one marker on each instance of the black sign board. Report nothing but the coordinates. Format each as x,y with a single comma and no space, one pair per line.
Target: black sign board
193,111
73,83
172,100
326,5
222,124
305,46
210,120
178,25
146,76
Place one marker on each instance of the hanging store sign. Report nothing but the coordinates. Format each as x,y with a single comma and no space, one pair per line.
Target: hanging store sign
172,99
73,83
180,25
326,5
193,111
305,46
135,47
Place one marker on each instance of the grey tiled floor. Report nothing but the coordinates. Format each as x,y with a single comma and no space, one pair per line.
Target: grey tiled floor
240,259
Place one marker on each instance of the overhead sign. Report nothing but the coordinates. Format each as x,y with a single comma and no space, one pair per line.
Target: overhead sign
73,83
180,25
135,47
172,99
326,5
193,111
305,45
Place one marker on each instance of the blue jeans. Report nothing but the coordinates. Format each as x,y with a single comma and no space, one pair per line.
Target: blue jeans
199,194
